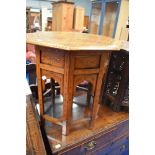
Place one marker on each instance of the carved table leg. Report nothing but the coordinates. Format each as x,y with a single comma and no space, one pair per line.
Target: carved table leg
68,93
103,68
40,89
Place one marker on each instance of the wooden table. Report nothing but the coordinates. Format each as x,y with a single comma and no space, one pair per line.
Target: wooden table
70,58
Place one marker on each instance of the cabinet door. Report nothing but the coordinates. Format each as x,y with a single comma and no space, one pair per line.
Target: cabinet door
109,18
95,18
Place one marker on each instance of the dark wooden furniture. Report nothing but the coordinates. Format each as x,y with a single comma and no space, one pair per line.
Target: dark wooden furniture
116,88
70,58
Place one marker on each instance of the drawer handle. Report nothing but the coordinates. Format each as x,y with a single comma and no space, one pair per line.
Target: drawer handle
90,145
122,148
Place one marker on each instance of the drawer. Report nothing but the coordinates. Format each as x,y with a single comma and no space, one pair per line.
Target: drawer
110,136
52,57
117,147
87,62
120,147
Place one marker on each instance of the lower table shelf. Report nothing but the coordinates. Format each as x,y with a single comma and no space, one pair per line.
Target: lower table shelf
108,137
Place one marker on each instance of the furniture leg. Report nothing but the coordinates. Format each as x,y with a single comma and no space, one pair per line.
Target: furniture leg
53,90
40,89
89,93
68,93
103,68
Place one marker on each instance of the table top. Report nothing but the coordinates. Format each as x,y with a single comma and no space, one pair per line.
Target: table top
125,45
72,41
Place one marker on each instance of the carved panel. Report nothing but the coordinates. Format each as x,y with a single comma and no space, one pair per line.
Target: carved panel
90,78
52,57
87,61
56,76
117,82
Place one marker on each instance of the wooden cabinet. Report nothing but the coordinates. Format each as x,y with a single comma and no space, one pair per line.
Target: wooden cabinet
78,18
62,18
104,17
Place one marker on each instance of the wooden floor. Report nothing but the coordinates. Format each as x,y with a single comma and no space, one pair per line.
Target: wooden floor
106,119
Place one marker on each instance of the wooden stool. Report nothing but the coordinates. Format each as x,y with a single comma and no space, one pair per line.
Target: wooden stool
71,58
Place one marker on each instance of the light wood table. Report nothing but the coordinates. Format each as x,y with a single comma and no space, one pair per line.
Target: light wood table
70,58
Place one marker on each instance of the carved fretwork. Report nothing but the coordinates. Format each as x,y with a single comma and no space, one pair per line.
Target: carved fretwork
56,76
90,78
117,82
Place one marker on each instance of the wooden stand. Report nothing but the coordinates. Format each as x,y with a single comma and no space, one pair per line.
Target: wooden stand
69,59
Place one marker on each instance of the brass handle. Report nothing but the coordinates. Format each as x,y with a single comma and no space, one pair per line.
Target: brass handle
90,145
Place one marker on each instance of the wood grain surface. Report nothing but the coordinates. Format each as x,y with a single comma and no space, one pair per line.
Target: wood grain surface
35,144
73,41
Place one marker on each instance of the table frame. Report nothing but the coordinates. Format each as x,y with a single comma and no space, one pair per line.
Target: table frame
68,68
